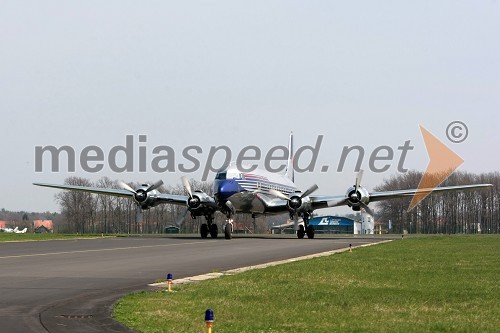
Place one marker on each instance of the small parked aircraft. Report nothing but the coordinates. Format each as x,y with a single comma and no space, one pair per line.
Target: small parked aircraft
15,230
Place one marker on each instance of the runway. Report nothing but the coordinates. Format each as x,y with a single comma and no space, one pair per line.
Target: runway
71,285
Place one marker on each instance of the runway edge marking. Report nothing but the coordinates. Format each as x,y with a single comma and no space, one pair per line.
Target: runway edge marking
209,276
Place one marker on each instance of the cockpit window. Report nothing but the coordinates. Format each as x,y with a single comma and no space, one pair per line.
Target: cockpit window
220,175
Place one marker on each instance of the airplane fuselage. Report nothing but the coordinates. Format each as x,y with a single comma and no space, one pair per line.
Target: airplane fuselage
242,188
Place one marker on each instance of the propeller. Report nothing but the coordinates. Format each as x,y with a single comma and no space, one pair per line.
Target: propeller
359,176
366,208
138,215
335,203
141,194
309,191
125,186
283,196
353,196
154,186
187,186
295,220
181,217
193,201
279,194
294,201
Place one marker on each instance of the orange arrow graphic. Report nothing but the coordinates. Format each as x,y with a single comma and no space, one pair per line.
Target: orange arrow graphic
442,163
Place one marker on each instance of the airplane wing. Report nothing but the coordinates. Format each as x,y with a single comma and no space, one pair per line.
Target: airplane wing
378,196
325,201
342,200
161,197
96,190
259,202
272,205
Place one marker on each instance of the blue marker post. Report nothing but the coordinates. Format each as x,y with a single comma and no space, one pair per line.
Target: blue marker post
169,281
209,320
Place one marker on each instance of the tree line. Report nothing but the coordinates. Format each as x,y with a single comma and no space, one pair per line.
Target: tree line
476,211
95,213
458,212
24,219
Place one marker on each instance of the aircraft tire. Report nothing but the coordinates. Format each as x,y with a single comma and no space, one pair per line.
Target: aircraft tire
204,230
214,230
310,232
301,232
227,231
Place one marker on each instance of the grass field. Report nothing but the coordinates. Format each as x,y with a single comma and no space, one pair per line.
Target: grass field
429,284
13,237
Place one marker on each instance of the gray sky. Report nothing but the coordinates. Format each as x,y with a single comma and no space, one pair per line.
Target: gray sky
244,72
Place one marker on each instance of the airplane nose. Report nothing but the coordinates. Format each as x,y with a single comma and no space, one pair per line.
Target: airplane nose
227,188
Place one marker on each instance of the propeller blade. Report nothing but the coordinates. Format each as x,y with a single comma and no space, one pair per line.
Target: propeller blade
181,217
155,186
295,221
366,208
138,215
187,186
125,186
309,191
334,203
279,194
359,176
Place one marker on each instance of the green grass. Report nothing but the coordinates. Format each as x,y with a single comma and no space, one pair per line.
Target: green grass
13,237
434,284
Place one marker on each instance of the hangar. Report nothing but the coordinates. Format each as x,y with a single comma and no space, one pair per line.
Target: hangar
335,225
332,225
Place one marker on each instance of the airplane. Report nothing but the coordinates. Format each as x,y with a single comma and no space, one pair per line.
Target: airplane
15,230
258,193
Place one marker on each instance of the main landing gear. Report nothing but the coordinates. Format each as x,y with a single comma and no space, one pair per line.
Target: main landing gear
209,228
305,229
228,229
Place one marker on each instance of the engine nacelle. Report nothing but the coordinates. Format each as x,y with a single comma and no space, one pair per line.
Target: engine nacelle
200,199
145,199
354,198
296,203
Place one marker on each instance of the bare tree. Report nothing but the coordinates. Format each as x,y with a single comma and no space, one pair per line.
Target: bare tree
450,212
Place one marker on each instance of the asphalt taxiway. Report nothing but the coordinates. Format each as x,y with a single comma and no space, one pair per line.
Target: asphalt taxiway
71,285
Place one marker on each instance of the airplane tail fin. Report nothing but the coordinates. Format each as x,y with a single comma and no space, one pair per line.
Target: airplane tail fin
289,167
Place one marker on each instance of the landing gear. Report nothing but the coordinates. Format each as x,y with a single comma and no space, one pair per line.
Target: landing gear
214,230
305,229
310,231
227,230
212,227
300,232
204,230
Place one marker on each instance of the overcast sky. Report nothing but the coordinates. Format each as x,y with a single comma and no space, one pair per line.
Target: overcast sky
241,73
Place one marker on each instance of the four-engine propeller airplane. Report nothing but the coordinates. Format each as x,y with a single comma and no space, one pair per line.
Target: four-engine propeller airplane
256,192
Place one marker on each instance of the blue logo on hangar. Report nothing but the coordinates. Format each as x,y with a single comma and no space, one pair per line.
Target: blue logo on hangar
331,221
